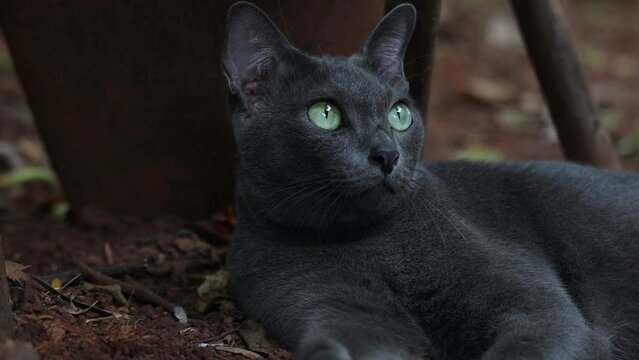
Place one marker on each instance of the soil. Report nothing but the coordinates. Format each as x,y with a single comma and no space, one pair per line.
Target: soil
484,103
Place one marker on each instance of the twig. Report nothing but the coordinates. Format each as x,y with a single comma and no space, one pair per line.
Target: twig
179,266
222,335
138,290
115,270
6,324
239,351
77,303
108,253
70,282
114,290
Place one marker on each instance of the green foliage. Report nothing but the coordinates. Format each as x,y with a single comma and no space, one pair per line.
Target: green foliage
6,65
24,175
629,145
28,174
478,153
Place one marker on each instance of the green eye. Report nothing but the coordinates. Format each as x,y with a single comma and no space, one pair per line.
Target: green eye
399,117
325,115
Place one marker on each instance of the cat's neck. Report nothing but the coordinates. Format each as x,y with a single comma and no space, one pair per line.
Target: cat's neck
255,215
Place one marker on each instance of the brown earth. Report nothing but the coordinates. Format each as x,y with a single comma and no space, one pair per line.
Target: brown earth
485,104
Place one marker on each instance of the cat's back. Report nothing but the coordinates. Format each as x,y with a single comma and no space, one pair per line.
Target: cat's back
583,221
568,211
527,188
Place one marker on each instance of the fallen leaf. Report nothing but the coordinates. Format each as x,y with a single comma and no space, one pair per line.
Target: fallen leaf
254,336
489,91
212,289
72,309
191,244
56,283
629,145
180,315
478,153
593,56
56,331
239,351
114,290
214,284
33,151
15,271
513,119
18,350
501,32
61,209
609,119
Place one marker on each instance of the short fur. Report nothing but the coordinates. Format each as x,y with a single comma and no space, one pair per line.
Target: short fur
454,260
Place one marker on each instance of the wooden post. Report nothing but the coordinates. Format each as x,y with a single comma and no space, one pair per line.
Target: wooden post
563,83
6,323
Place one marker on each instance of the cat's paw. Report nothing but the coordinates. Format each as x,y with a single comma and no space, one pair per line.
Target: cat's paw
322,349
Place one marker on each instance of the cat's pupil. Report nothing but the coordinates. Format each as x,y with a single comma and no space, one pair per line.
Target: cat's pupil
327,109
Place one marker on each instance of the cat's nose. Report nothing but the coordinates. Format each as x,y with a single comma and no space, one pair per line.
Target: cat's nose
386,159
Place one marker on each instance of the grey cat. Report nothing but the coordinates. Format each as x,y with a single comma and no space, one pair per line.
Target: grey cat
348,248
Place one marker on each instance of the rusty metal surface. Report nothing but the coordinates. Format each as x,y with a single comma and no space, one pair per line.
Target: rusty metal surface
129,99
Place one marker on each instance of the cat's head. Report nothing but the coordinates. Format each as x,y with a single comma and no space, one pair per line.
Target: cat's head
322,141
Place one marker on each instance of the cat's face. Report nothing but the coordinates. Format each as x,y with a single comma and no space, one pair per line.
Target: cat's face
322,141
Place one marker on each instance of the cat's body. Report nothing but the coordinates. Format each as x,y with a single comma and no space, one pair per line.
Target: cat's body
342,253
455,271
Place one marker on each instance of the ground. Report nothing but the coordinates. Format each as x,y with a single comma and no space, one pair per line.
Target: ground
485,104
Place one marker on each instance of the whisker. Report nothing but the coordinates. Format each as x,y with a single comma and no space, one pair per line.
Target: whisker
427,201
317,186
441,233
330,204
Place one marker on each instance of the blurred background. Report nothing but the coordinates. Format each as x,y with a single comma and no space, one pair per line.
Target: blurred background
485,103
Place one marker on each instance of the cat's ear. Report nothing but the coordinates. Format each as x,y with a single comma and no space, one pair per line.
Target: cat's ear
385,48
252,52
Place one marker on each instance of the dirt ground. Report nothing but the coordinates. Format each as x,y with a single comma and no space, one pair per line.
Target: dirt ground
485,104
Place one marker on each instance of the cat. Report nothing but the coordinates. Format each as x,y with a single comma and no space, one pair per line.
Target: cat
348,247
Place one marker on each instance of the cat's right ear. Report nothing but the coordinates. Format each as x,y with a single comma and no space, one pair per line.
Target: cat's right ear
252,52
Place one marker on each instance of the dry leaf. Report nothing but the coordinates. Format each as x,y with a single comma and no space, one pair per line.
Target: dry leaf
191,244
114,290
56,283
18,350
214,284
239,351
56,331
254,336
15,271
489,91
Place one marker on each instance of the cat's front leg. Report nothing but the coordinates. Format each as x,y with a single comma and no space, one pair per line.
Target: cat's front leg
358,339
549,336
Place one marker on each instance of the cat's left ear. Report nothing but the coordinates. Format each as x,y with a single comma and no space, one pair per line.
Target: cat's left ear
385,48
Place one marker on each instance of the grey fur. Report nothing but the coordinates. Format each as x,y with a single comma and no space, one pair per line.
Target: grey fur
454,260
